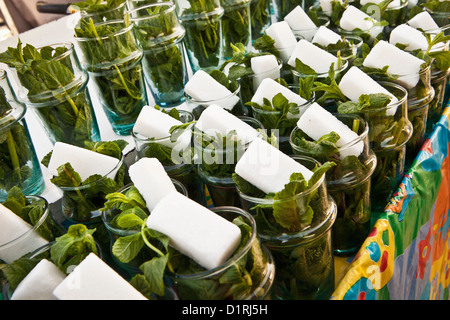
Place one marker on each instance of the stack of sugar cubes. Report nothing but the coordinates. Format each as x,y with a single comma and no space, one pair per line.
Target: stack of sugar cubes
400,63
203,89
193,229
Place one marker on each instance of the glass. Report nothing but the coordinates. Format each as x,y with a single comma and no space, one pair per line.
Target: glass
281,7
389,131
280,125
19,162
348,183
63,107
82,204
113,59
216,162
260,17
419,98
161,36
369,36
259,274
102,12
39,234
303,253
250,83
232,103
350,52
203,23
236,25
182,168
439,80
108,217
394,16
322,78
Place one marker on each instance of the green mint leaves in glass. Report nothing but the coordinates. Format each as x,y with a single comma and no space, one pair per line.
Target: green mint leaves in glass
113,59
54,86
236,25
202,20
19,165
161,36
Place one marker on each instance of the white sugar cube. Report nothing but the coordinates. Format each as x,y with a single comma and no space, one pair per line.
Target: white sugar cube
269,88
353,18
326,6
407,35
316,58
424,21
356,83
39,283
194,230
202,87
284,38
300,23
265,66
12,227
325,36
267,168
152,123
317,122
93,279
216,119
151,180
399,62
85,162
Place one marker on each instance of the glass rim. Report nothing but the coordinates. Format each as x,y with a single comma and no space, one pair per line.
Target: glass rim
253,75
401,100
244,146
35,227
215,101
104,213
15,114
170,4
80,82
120,162
337,70
294,197
357,42
305,104
198,16
361,137
326,24
141,138
232,259
118,32
85,14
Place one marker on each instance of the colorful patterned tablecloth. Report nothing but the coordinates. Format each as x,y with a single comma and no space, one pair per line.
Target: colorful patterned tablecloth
407,254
